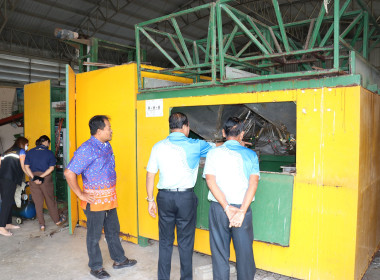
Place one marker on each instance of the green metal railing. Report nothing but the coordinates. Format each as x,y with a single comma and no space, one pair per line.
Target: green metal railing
236,40
89,51
190,65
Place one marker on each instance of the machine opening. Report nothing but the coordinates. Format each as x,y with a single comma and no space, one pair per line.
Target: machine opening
269,127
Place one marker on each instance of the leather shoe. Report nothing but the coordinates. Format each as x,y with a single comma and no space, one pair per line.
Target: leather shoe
123,264
100,274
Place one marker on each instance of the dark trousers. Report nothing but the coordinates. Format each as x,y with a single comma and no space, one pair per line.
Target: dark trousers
41,192
96,220
7,191
220,238
176,209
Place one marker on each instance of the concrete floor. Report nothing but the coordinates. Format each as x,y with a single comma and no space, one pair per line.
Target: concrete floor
55,254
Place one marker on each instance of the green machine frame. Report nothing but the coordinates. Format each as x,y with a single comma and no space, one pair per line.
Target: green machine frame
58,94
89,50
260,49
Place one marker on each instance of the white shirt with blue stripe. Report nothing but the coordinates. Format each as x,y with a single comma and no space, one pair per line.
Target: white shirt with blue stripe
177,159
232,165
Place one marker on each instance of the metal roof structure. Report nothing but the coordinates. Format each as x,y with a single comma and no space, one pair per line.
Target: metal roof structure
27,26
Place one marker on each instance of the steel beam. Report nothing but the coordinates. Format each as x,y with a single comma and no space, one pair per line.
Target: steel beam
336,34
281,25
255,46
6,9
317,27
97,13
68,23
220,39
351,26
244,29
181,40
44,46
330,30
365,34
154,42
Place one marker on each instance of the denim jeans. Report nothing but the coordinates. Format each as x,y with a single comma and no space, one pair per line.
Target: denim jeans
176,209
220,239
96,220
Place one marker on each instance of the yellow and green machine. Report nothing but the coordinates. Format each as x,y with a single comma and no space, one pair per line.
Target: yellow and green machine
320,222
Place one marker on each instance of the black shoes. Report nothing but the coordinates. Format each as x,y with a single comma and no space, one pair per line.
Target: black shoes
123,264
100,274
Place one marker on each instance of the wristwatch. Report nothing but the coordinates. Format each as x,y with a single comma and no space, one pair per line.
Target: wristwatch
150,200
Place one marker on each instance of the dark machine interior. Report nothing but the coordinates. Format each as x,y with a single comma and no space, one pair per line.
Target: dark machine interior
269,127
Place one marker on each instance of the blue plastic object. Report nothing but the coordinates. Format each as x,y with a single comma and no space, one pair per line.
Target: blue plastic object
26,211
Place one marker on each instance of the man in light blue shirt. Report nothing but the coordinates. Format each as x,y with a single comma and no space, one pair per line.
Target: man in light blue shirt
232,175
177,158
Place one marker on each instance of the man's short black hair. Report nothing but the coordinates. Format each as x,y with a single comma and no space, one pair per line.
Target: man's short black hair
177,120
233,127
97,122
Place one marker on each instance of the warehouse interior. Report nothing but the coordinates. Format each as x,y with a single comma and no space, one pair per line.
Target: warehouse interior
303,74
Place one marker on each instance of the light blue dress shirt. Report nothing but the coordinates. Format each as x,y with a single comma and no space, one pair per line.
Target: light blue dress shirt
232,165
177,159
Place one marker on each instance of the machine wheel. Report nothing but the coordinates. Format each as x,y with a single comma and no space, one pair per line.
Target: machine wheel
19,220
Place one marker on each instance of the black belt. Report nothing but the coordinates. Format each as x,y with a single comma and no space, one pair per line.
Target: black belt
177,190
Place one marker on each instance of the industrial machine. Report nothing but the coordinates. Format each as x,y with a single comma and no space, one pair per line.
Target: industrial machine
310,102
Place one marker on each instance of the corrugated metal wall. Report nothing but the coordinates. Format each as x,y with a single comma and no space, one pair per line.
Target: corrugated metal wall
19,70
374,57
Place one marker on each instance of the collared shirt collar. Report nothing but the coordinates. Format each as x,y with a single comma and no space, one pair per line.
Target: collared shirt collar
42,147
232,142
177,135
98,142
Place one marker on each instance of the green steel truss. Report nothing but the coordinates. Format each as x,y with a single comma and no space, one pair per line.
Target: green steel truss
89,51
263,52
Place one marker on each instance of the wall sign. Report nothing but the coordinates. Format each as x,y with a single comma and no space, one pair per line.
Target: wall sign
154,108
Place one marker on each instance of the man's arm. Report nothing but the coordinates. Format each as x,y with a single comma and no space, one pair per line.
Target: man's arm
22,162
238,219
30,174
28,171
71,179
47,171
152,207
220,197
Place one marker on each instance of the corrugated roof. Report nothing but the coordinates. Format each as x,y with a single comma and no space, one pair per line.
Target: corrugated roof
114,20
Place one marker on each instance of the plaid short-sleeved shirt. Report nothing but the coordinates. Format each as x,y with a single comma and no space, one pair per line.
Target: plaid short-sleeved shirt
96,162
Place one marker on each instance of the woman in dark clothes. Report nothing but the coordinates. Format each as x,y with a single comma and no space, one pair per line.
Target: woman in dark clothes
40,163
12,171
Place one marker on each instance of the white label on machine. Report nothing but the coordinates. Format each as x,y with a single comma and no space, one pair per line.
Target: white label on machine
154,108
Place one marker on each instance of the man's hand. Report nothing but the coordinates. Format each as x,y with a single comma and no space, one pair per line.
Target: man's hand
37,182
71,179
87,197
152,208
237,219
231,212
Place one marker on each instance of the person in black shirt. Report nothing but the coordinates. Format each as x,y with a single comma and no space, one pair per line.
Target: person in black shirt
12,171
